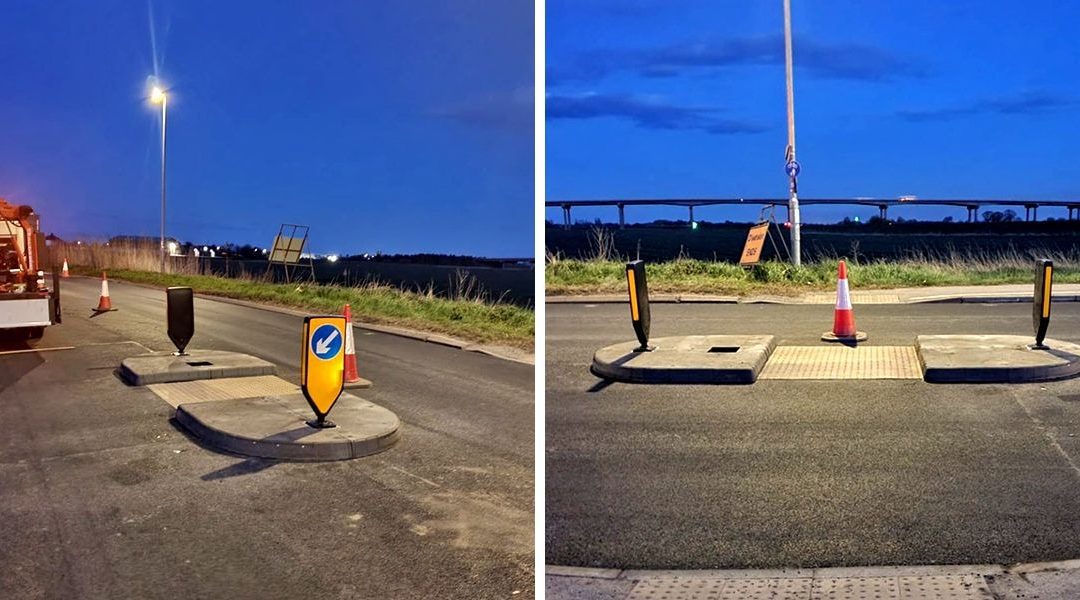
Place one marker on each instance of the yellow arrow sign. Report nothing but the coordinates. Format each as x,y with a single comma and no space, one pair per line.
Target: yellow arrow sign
322,363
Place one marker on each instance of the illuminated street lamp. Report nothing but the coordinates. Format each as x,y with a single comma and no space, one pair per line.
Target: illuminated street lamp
157,96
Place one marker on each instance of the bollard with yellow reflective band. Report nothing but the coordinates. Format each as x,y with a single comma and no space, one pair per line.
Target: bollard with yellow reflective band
322,365
638,289
1044,281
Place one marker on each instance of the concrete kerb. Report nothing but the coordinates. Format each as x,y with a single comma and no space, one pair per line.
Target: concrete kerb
500,352
167,367
793,300
995,359
276,427
705,359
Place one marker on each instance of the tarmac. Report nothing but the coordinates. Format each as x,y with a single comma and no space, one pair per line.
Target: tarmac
1058,580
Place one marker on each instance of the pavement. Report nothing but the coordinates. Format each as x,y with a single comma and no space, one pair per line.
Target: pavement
1033,581
103,495
805,474
1065,292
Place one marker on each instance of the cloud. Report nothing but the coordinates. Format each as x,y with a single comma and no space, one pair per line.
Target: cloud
1026,103
849,61
506,110
646,112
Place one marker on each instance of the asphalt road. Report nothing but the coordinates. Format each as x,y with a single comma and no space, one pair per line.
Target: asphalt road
103,496
797,473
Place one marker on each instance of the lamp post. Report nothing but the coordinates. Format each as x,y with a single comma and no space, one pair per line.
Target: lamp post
793,173
157,96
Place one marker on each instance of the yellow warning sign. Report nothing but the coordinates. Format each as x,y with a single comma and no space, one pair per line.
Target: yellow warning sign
322,362
755,239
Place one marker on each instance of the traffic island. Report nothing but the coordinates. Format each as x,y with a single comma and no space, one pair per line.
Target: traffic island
276,427
686,359
995,359
167,367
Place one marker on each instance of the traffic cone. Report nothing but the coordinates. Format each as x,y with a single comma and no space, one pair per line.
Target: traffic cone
104,303
352,376
844,317
65,273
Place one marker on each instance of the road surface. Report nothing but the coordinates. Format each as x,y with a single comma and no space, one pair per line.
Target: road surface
103,496
806,473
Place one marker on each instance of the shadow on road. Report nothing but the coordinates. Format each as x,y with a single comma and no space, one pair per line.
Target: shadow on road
244,467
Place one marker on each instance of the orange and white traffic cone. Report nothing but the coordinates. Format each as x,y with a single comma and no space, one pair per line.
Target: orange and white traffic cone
65,273
104,303
844,318
352,376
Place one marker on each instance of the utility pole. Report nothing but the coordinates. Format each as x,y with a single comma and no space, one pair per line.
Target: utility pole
792,166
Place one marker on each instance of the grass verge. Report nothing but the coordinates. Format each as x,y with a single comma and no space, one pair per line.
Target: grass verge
690,276
470,319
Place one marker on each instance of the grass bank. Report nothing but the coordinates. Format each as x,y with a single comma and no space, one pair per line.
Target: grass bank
473,319
691,276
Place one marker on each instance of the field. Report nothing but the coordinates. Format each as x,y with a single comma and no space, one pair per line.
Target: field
703,261
462,312
725,242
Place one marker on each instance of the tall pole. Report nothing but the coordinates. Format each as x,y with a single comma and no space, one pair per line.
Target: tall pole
793,199
164,103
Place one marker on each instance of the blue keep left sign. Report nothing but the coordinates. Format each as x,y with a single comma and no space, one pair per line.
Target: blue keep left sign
326,342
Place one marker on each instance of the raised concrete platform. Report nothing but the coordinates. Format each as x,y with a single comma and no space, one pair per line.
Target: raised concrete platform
686,359
165,367
276,427
361,384
994,359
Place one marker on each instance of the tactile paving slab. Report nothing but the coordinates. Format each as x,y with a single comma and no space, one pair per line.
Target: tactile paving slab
843,362
940,587
232,388
856,298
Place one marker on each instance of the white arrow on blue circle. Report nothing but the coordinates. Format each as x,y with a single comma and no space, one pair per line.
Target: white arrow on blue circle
323,346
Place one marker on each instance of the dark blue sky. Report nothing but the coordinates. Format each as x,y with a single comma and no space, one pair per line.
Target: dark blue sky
392,126
679,98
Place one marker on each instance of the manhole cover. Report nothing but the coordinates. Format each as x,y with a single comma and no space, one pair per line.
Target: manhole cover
843,362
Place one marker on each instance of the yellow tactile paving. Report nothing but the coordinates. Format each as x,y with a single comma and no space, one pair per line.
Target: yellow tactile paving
842,362
230,388
856,298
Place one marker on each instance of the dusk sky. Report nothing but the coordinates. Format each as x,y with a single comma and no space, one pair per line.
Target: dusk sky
391,126
679,98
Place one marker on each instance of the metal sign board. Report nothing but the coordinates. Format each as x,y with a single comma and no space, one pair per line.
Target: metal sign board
180,314
287,249
639,301
755,241
1040,310
322,365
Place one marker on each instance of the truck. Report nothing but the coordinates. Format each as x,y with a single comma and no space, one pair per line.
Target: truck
27,303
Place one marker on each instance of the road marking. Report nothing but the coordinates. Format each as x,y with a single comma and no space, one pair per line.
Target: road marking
1048,434
427,481
29,350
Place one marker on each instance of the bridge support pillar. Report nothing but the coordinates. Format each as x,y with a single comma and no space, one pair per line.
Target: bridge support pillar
1031,212
566,216
622,216
691,215
973,213
1073,209
883,211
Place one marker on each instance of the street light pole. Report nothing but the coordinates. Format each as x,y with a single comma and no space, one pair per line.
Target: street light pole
793,175
159,96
